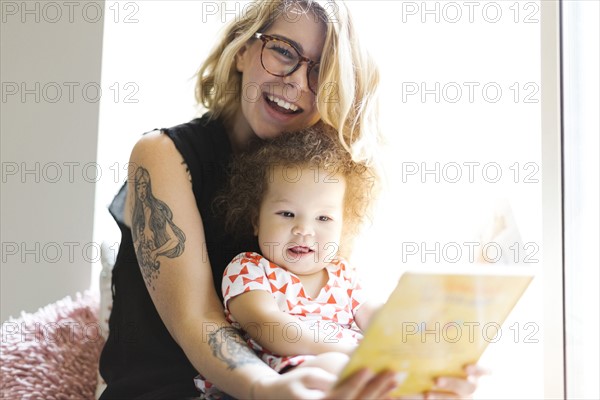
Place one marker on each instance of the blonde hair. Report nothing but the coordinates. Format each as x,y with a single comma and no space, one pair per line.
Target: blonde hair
312,147
350,108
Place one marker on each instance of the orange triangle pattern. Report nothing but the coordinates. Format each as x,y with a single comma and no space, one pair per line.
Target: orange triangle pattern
334,304
275,289
243,271
257,280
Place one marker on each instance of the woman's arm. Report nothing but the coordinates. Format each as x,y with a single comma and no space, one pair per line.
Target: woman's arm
282,333
172,242
181,286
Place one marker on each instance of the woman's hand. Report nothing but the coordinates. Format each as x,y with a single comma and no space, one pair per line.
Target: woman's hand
316,383
300,383
454,388
365,384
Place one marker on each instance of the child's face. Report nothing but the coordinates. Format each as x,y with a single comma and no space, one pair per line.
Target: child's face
300,221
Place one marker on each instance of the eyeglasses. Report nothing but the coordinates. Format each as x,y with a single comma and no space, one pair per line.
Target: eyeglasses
281,58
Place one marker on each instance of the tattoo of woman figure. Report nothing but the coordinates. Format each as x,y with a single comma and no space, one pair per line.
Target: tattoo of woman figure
154,233
228,346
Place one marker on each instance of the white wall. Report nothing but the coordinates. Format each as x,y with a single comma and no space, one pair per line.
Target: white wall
52,51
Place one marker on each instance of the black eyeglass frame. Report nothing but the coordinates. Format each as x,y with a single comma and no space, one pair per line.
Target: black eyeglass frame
301,58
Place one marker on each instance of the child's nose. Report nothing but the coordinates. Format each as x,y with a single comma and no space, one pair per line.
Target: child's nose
303,228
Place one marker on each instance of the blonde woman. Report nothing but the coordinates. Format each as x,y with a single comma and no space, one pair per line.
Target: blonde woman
282,66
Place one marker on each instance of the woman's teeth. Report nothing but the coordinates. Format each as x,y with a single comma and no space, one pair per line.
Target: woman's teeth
282,103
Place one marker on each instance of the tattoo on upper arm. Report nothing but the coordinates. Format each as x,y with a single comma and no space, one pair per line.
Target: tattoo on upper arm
228,346
154,233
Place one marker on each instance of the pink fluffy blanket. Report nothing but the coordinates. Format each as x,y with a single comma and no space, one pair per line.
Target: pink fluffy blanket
53,353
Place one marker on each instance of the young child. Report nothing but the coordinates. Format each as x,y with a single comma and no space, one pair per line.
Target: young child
299,302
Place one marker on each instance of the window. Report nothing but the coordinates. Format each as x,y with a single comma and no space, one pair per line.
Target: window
580,44
462,112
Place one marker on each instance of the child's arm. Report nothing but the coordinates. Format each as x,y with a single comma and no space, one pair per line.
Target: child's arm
279,332
363,315
366,308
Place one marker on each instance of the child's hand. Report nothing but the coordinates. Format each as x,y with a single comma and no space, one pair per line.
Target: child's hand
348,349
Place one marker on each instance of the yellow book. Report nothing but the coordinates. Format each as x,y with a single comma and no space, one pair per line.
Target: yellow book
434,324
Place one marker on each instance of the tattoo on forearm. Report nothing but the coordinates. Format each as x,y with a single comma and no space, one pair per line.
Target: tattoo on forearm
228,346
154,233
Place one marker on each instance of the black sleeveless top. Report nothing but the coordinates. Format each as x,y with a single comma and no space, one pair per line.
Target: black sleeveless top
140,358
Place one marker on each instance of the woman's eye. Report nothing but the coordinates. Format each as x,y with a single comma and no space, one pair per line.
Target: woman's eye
324,218
283,51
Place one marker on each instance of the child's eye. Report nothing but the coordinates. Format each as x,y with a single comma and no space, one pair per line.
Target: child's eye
324,218
286,214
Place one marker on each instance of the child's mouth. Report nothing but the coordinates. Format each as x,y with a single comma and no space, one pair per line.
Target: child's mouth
300,250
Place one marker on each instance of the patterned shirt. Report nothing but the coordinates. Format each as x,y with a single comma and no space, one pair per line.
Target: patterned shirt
330,315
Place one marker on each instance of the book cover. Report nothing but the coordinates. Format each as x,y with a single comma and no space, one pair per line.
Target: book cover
434,324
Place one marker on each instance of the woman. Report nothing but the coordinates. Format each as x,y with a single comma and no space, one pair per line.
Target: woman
167,322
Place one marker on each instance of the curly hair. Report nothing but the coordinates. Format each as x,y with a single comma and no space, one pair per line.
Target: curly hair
316,146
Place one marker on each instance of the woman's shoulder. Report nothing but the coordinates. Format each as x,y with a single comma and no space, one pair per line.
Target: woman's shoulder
199,125
199,129
151,140
152,149
205,131
201,143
